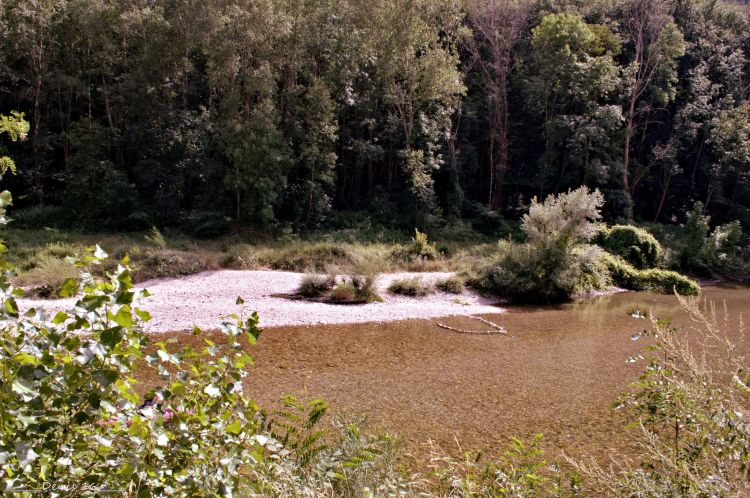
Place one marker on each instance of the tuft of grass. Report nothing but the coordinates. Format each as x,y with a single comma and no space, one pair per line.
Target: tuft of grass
413,287
168,264
46,278
314,285
358,289
451,285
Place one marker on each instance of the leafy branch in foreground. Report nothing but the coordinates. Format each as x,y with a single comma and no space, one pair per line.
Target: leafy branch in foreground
72,420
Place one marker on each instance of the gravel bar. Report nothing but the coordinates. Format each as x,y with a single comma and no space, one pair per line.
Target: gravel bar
203,299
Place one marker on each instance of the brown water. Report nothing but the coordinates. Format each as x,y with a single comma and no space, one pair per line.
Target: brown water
557,372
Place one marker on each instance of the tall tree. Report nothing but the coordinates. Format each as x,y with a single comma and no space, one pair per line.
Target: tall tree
655,43
496,27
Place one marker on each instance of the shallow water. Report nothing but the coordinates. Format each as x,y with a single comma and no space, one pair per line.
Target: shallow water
557,372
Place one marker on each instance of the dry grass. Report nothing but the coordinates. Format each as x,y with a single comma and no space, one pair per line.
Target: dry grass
39,254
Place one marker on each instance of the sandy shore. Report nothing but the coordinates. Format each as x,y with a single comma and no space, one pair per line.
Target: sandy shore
203,299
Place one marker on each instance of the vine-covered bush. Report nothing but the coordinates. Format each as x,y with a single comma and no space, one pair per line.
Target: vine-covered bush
635,245
665,281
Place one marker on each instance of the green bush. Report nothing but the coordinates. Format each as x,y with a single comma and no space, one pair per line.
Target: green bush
635,245
316,285
451,285
419,249
593,273
550,266
665,281
412,287
526,273
71,415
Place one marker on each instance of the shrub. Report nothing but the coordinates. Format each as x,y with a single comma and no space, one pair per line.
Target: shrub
696,253
156,238
344,292
419,249
451,285
520,471
593,270
409,287
635,245
525,273
548,267
564,220
665,281
106,438
358,289
316,285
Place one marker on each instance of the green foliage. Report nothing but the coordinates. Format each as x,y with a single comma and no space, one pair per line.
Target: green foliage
49,432
156,238
451,285
412,287
665,281
570,80
635,245
564,220
696,247
520,471
206,224
17,128
549,267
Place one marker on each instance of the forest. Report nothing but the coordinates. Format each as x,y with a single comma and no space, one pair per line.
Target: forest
218,114
356,249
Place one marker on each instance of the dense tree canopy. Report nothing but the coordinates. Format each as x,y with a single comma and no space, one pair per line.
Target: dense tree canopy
275,112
